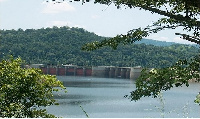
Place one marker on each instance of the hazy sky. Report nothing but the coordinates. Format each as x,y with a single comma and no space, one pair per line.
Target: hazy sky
101,19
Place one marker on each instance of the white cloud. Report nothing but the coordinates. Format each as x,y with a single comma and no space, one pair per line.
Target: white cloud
180,40
58,23
163,38
167,39
95,16
3,0
99,34
51,8
160,38
79,26
63,23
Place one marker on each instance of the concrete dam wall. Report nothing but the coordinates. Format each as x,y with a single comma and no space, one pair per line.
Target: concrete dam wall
67,71
111,72
98,71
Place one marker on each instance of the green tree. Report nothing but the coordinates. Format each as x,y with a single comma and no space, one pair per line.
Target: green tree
36,46
24,92
152,82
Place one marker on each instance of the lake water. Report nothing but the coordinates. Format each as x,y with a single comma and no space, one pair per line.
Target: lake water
104,98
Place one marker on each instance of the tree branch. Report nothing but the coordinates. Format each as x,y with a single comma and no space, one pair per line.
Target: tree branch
177,17
190,38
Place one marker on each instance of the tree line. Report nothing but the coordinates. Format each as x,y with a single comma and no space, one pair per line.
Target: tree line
62,46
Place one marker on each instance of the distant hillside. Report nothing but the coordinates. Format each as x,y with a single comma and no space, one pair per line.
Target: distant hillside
155,42
62,46
161,43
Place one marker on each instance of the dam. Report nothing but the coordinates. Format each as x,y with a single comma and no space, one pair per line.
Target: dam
95,71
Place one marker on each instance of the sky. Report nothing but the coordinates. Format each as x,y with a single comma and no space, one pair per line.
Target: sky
101,19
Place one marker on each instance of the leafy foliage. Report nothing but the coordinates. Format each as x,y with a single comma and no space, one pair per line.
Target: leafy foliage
23,92
62,46
197,100
152,82
132,36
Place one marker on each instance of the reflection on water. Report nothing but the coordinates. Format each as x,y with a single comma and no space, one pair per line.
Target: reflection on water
104,98
91,83
75,102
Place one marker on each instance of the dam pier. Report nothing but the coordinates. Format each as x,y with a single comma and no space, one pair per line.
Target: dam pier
95,71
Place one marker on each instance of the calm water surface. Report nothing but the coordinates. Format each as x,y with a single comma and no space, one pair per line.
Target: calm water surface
104,98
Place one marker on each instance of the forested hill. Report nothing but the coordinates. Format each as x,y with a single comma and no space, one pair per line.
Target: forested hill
62,46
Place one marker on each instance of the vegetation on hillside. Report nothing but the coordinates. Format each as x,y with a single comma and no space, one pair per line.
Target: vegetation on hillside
62,46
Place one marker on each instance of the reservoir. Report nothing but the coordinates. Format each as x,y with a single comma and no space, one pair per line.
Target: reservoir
104,98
